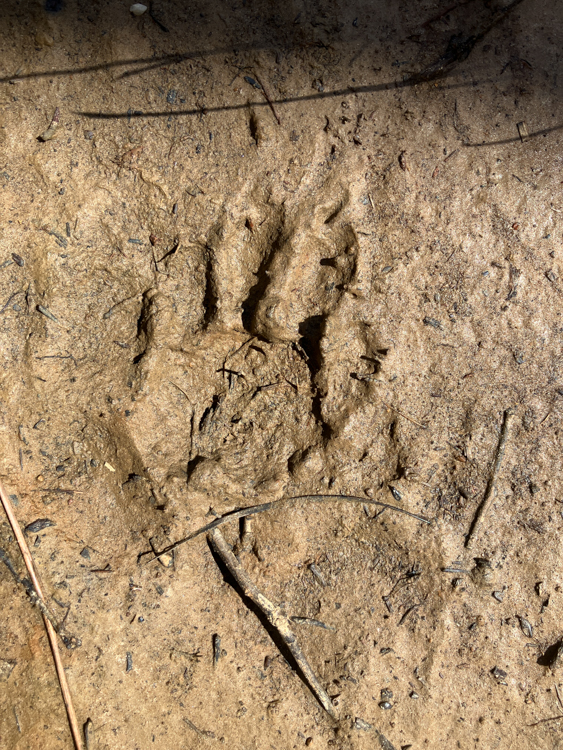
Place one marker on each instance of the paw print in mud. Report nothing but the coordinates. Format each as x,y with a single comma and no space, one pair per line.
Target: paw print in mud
258,389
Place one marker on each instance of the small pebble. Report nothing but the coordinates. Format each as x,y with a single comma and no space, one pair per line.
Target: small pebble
499,675
361,724
137,9
498,595
396,494
39,525
525,627
385,705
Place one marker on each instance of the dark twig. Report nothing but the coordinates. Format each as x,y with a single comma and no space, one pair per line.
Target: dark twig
543,721
270,103
490,491
31,592
275,615
201,732
254,509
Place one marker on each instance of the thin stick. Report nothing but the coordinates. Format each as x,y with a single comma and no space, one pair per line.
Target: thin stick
259,82
542,721
490,491
254,509
275,615
26,554
402,414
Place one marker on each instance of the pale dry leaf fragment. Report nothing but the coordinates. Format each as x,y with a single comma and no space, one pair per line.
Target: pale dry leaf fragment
522,130
53,126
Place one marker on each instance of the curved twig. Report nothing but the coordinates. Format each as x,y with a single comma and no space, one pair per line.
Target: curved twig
254,509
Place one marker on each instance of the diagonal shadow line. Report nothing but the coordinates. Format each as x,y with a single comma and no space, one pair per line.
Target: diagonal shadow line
288,100
535,134
176,58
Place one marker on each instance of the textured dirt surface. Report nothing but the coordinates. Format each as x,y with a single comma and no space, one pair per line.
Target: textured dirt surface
214,304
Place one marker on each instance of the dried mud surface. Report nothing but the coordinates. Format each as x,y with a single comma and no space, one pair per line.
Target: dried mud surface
346,301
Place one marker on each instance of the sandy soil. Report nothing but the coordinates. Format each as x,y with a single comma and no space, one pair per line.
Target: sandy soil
207,303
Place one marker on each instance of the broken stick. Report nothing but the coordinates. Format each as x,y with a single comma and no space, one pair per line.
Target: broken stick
490,491
275,615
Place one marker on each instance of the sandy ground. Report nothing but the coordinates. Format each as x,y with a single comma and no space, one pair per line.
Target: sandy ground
208,303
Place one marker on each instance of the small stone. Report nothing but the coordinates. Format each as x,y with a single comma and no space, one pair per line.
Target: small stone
385,705
499,675
137,9
36,526
361,724
525,627
386,694
414,695
498,595
42,39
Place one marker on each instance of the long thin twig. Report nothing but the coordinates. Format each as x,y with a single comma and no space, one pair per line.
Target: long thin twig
270,103
490,491
275,615
254,509
26,554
